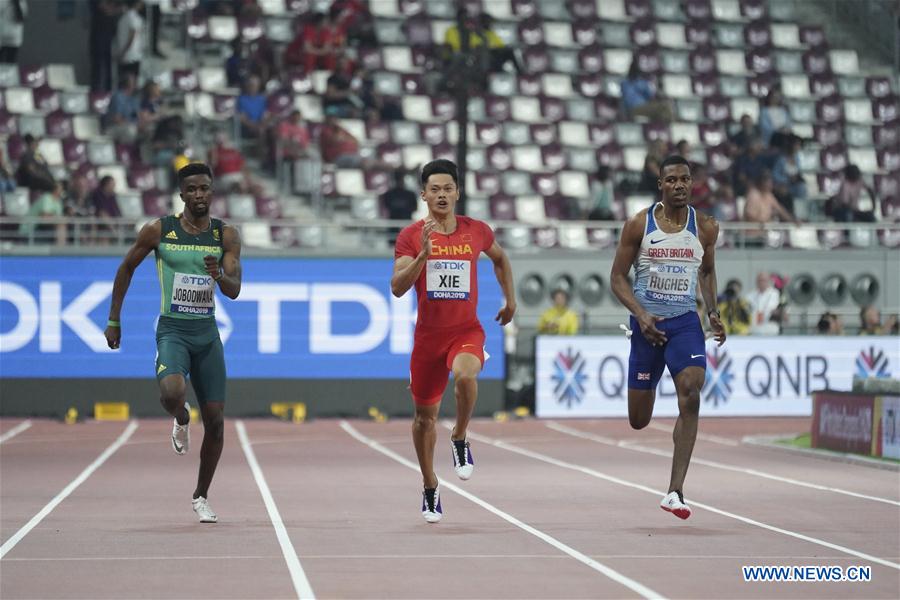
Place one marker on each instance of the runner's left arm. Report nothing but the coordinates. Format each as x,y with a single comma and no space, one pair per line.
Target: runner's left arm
228,272
709,230
503,271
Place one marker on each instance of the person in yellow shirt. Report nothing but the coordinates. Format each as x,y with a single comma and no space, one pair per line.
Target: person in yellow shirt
559,319
481,34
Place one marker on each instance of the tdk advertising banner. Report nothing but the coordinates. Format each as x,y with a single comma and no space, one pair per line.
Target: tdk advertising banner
295,319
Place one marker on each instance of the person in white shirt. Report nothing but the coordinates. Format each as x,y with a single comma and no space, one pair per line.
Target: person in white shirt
130,40
763,302
12,28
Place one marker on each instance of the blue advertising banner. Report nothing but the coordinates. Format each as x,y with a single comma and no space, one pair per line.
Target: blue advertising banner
322,318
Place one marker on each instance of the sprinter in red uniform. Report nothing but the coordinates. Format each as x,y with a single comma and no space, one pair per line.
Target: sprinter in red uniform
439,255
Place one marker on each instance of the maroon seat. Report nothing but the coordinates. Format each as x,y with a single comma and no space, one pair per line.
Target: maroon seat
412,7
46,99
823,84
760,85
433,133
553,109
639,9
601,134
816,62
711,134
600,238
829,183
718,158
58,124
284,237
698,33
523,9
198,28
585,31
502,207
703,61
611,155
813,36
251,29
412,84
886,108
648,60
156,203
833,158
657,131
126,155
15,147
377,182
329,188
830,109
298,81
390,153
531,85
185,80
488,133
760,61
878,87
758,35
705,86
531,31
424,57
887,185
218,207
545,184
224,105
443,107
418,30
553,156
590,59
142,178
279,105
828,134
717,109
543,133
558,207
754,9
889,158
33,76
590,85
606,107
487,182
497,108
582,9
536,59
643,33
545,237
499,156
74,152
697,10
887,134
378,132
370,58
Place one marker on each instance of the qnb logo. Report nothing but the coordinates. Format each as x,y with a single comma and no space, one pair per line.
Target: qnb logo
872,363
718,377
568,377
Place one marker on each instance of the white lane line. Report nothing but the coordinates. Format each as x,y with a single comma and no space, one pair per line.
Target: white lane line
106,558
709,463
588,471
631,584
15,430
82,477
716,439
298,576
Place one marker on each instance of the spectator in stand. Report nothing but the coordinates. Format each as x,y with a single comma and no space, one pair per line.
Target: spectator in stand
656,153
12,28
250,58
774,119
764,302
48,204
603,194
786,175
559,319
79,203
130,39
154,16
354,19
499,54
251,109
734,311
701,192
641,98
376,107
104,17
230,168
340,99
683,149
399,202
749,166
724,206
7,181
123,115
761,206
317,45
104,200
33,172
847,206
830,324
870,322
292,138
744,136
341,149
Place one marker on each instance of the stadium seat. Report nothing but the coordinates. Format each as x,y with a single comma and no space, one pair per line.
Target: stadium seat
530,209
503,208
573,237
545,184
785,35
543,133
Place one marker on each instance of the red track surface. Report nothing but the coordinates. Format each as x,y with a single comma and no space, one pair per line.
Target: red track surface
352,515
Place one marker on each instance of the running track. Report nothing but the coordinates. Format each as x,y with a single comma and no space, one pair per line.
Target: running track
330,509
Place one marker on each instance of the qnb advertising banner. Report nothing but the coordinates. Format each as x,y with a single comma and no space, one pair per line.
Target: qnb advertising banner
295,319
587,376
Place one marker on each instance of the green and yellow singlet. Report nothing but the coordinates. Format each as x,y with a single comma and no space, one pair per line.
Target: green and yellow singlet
187,290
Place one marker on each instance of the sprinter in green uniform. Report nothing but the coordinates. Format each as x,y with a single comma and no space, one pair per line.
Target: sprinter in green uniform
194,253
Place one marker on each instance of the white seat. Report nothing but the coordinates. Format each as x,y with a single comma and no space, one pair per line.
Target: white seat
785,35
515,183
117,172
130,205
61,77
385,8
16,203
319,80
416,155
101,151
502,84
671,35
365,208
349,182
279,29
517,238
399,58
689,110
726,10
417,108
404,132
677,86
858,135
212,78
527,158
310,106
199,104
478,207
241,206
516,134
530,209
256,234
685,131
745,106
804,237
612,10
74,101
629,134
20,100
558,85
439,29
85,127
617,60
574,133
844,62
33,124
635,204
52,151
272,7
558,35
355,127
731,62
583,159
9,75
573,237
574,184
802,111
864,158
795,86
862,238
676,61
634,158
858,110
222,29
526,109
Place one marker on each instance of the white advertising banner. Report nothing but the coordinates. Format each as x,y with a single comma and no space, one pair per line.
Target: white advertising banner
587,376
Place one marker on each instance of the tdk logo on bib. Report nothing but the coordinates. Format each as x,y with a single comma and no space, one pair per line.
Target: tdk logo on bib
448,279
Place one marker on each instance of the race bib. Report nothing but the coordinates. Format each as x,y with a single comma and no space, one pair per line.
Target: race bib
192,294
448,279
668,282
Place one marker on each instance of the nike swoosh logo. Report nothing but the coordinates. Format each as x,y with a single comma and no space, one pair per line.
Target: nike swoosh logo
696,355
655,241
177,447
464,345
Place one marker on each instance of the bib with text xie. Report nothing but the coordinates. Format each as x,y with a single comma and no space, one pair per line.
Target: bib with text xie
192,294
448,279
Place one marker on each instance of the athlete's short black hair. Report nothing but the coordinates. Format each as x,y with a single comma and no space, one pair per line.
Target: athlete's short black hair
438,167
196,168
673,159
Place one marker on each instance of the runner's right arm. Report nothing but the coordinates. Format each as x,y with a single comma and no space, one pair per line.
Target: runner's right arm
626,252
147,241
407,268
